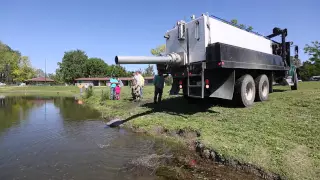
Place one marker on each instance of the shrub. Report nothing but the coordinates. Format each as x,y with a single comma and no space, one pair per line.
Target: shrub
103,97
89,92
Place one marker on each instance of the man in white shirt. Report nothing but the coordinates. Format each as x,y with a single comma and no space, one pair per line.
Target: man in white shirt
140,82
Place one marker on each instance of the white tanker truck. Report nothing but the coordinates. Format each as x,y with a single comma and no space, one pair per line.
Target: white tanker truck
210,57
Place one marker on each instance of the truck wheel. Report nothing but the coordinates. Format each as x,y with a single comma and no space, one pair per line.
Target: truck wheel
262,88
245,90
295,81
270,83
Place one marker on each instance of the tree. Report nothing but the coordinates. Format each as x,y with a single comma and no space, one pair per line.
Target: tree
73,65
57,76
118,71
312,66
149,71
242,26
234,22
96,67
24,70
308,70
158,50
313,50
9,61
250,28
51,76
39,73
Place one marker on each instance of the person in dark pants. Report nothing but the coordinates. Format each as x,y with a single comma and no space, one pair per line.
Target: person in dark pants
113,84
158,86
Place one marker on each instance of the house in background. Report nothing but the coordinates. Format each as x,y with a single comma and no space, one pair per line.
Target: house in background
92,81
104,81
40,81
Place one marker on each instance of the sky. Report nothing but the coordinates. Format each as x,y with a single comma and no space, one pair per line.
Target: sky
44,30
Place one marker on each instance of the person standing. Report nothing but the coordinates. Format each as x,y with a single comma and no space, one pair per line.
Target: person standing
113,85
141,83
120,82
118,90
158,82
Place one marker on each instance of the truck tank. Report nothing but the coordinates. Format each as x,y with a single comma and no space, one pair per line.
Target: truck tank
191,44
209,57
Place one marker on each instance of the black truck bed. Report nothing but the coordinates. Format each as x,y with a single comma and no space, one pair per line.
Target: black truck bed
237,57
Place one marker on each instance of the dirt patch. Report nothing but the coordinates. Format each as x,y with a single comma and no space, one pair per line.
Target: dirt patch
207,160
175,161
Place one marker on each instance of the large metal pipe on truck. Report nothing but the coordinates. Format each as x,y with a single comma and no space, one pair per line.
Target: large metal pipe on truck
172,58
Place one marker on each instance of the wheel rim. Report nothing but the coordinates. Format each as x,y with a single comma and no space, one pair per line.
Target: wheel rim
264,89
249,91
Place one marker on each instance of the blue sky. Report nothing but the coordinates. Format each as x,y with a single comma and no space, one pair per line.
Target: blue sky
46,29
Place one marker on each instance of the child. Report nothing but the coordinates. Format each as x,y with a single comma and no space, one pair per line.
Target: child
118,90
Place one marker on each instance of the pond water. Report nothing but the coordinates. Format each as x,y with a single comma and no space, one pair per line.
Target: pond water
55,138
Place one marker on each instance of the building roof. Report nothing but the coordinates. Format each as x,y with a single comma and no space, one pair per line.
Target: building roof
40,79
93,79
107,79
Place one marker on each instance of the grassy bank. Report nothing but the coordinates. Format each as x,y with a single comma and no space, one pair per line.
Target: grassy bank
39,90
281,135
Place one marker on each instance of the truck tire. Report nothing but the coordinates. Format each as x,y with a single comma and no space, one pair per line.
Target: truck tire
271,83
245,91
295,81
262,88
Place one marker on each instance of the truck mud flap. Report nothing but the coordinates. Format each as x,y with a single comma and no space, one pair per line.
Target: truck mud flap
222,85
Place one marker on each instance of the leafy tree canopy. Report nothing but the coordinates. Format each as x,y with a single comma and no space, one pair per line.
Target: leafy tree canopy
158,50
73,65
313,50
14,66
148,71
312,66
96,67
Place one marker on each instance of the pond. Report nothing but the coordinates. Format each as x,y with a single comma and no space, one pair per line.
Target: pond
56,138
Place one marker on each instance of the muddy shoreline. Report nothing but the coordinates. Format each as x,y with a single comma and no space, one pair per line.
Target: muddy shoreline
200,159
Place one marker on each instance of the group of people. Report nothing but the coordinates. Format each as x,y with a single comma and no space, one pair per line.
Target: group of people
137,86
115,88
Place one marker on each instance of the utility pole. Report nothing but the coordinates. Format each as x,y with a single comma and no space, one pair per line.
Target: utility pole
45,71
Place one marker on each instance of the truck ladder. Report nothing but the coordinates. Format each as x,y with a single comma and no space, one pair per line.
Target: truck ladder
199,87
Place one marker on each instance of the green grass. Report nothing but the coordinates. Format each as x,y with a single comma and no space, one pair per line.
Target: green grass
39,90
281,135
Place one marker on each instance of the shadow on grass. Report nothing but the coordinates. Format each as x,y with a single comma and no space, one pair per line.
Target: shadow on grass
279,90
177,106
181,106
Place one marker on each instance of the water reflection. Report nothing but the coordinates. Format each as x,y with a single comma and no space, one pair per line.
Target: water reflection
15,109
45,138
12,110
70,111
